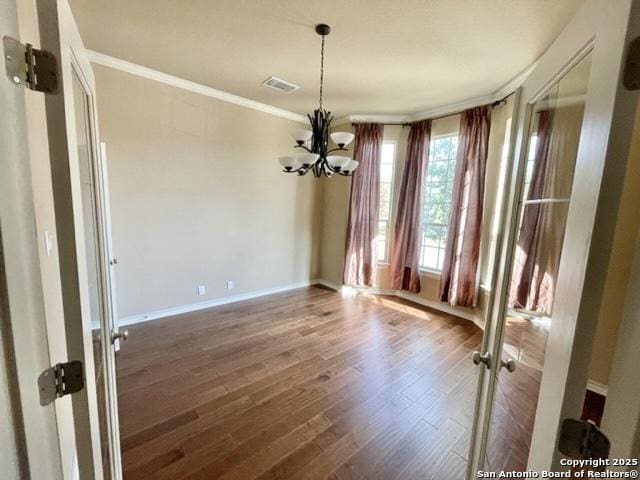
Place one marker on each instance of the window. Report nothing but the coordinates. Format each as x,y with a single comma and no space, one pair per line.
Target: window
387,161
528,174
437,200
496,217
531,156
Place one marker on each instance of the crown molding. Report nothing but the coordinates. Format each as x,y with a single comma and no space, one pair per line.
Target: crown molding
515,83
341,121
364,118
140,71
372,118
444,110
452,108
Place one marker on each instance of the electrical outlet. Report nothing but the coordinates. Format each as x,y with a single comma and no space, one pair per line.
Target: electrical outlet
229,284
201,290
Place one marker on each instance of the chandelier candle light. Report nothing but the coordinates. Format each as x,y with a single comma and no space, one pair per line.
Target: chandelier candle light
319,158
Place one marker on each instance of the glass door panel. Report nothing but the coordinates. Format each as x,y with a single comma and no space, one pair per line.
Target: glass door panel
94,261
553,139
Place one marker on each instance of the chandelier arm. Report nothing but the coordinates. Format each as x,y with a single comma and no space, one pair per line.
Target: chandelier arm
338,149
306,148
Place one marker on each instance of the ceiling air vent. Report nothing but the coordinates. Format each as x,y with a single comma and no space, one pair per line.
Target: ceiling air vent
280,85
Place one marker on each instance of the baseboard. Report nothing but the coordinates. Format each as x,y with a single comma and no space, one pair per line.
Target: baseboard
327,283
597,387
368,290
442,307
169,312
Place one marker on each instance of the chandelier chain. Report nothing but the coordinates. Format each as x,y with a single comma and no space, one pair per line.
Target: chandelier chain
321,70
321,158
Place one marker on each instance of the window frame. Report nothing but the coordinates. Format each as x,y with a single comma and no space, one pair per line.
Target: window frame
384,259
424,270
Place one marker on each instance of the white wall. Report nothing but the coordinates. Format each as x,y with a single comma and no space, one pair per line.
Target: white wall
198,197
619,269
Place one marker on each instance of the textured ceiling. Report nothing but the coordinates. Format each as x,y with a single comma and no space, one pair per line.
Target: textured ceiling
383,56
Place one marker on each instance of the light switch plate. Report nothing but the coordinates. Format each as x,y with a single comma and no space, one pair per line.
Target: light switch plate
229,284
202,290
48,242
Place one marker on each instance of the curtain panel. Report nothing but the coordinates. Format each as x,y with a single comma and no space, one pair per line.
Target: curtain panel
524,265
459,277
539,248
405,251
362,226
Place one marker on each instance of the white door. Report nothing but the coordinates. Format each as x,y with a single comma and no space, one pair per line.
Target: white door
574,112
35,440
79,191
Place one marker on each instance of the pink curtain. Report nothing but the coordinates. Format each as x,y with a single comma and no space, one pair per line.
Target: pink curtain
362,227
458,281
540,244
405,253
524,262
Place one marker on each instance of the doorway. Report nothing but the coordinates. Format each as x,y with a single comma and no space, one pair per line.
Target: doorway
526,320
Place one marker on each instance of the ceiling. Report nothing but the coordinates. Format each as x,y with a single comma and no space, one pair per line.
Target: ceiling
382,56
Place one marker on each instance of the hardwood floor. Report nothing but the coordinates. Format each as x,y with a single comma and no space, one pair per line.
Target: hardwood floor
303,385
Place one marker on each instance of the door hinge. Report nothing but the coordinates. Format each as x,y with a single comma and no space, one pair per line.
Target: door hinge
60,380
35,69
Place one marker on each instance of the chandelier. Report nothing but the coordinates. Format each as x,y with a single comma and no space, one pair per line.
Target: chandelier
319,157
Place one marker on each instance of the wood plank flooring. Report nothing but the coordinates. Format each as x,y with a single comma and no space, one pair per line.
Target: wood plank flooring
304,385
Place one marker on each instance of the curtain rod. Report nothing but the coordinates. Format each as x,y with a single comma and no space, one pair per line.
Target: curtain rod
493,105
391,124
408,124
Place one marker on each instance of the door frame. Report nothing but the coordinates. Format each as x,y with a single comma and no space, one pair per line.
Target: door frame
32,337
110,327
605,137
